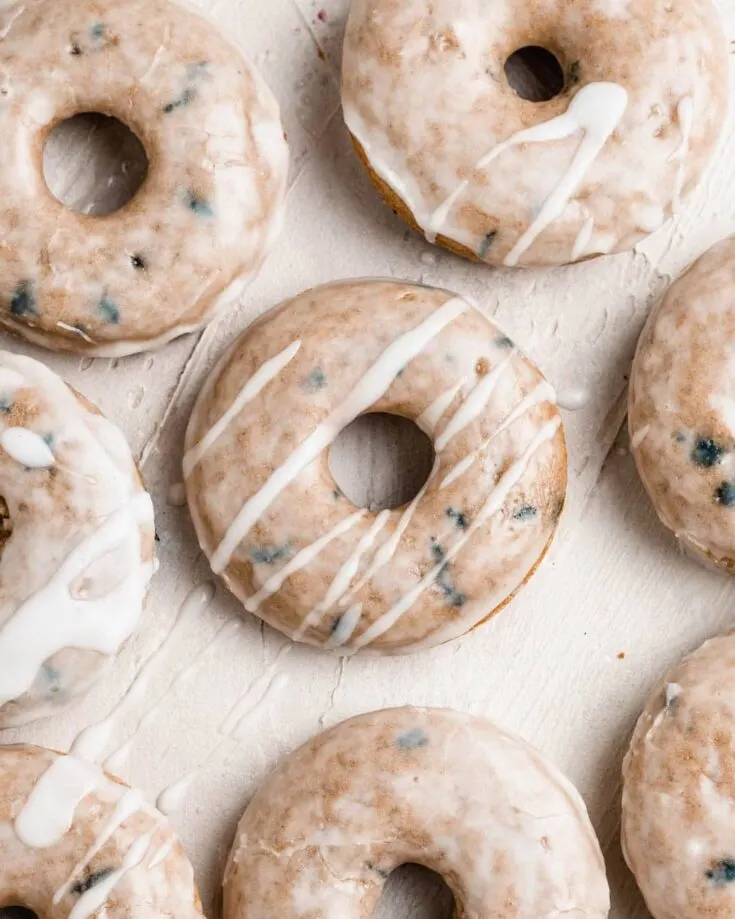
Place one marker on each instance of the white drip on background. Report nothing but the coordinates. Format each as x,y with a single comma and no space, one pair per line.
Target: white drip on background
371,387
573,399
256,384
596,110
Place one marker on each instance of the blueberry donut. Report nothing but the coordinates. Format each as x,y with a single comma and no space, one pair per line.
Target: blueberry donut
208,211
507,832
77,542
292,547
637,98
682,407
76,843
678,792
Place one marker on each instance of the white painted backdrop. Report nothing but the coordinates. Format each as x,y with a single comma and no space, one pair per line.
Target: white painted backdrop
569,664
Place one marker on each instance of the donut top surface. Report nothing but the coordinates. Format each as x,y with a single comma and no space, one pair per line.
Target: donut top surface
212,200
503,827
77,541
682,406
76,843
293,548
517,182
679,789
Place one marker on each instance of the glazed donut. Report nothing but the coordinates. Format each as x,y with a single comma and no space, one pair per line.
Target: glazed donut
492,176
210,206
682,410
77,542
507,832
75,842
678,792
292,547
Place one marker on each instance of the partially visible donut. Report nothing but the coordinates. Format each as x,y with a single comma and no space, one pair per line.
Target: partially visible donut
682,407
76,843
211,204
293,548
507,832
77,543
496,177
679,789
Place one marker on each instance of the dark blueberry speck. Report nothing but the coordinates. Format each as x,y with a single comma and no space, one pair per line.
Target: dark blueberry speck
109,311
194,71
269,555
486,244
5,406
707,453
23,302
444,577
723,872
97,31
53,678
527,512
412,739
574,68
679,437
74,49
91,881
48,439
200,207
188,95
138,262
316,380
504,342
458,518
725,494
437,550
381,872
337,494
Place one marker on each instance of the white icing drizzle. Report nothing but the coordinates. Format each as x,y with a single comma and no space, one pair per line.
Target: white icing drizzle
93,900
544,392
346,627
572,399
492,505
438,408
53,618
301,560
49,810
596,110
161,854
640,435
27,448
91,742
685,115
473,405
374,384
256,384
583,239
130,803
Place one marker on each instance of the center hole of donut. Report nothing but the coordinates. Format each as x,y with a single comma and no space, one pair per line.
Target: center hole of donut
94,164
381,461
534,73
414,892
17,912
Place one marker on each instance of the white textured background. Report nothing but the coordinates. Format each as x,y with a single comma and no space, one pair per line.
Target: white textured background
569,664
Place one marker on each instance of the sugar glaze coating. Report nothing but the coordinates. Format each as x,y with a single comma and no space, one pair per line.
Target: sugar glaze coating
682,407
291,546
509,834
509,181
75,567
211,204
76,843
679,789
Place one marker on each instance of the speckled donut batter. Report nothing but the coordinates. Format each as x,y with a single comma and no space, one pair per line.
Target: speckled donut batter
679,789
291,546
207,213
75,843
77,542
495,177
503,827
682,407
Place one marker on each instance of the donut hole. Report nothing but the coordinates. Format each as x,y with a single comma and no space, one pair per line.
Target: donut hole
17,912
6,524
381,461
94,164
534,73
415,892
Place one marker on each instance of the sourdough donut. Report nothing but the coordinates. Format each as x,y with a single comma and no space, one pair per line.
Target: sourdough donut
208,211
679,789
77,542
496,177
76,843
507,832
293,548
682,408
